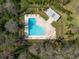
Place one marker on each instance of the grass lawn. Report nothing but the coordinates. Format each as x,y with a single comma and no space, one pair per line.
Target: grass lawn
61,24
74,7
42,14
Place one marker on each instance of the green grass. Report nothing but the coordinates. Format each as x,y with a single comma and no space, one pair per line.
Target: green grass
42,14
65,11
72,7
59,28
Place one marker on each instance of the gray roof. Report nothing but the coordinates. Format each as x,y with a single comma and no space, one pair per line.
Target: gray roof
53,14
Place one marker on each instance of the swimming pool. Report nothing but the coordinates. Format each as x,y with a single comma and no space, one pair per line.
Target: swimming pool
33,28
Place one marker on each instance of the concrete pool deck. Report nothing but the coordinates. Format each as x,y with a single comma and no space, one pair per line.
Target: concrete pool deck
50,31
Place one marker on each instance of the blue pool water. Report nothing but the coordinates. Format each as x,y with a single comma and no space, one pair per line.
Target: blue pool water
35,29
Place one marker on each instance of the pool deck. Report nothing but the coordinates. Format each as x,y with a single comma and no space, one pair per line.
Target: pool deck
50,20
50,30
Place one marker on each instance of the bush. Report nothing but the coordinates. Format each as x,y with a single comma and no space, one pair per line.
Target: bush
64,2
2,1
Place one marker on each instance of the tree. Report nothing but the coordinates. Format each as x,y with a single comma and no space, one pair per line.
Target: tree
2,1
11,26
69,18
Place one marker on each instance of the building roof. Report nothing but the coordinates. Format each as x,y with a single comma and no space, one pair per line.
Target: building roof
52,13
